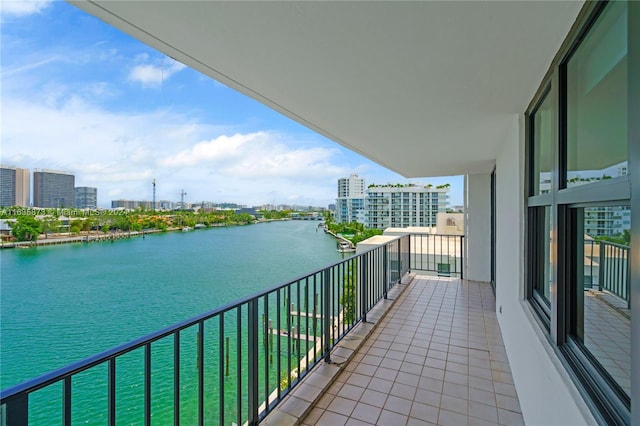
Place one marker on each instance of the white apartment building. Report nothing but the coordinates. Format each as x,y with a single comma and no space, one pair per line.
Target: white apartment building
350,204
401,206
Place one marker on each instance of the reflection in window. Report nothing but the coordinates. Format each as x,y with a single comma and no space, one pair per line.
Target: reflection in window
541,256
541,148
597,101
603,308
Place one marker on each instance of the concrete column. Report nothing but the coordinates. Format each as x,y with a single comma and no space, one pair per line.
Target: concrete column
477,225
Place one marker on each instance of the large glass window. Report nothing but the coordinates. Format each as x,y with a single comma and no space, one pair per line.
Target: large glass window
541,147
540,222
579,248
602,318
596,79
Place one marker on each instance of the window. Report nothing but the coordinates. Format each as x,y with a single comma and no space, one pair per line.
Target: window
541,147
601,320
580,205
596,80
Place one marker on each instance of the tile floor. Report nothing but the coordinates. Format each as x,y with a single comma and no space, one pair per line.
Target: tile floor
607,334
437,357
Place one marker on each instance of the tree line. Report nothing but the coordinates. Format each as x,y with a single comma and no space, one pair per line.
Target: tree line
30,227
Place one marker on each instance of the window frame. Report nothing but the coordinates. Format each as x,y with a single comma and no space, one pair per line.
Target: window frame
605,399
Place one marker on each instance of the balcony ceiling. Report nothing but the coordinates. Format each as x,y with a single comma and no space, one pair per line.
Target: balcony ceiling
423,88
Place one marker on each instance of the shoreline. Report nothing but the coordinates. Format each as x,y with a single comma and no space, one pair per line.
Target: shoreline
101,237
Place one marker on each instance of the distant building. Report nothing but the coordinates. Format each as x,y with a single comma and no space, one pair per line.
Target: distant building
165,205
131,204
14,186
350,205
450,223
86,197
401,206
53,189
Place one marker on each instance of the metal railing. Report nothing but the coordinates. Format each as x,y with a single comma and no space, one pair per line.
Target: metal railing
232,365
607,268
442,254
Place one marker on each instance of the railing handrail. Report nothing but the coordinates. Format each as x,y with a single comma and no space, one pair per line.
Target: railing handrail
622,246
53,376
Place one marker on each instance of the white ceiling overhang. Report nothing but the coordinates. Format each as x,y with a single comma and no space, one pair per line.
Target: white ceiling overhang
423,88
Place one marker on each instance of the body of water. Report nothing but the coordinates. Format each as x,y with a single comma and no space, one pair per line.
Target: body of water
62,303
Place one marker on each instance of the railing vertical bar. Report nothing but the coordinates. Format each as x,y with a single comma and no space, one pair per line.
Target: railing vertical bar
462,257
315,318
335,308
339,279
267,335
306,322
111,392
252,353
398,248
239,363
176,378
602,266
385,270
298,331
66,401
410,251
147,384
363,287
325,316
278,346
221,367
16,410
619,265
628,280
288,335
200,373
591,262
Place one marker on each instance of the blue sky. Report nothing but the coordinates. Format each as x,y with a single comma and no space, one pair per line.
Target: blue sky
80,96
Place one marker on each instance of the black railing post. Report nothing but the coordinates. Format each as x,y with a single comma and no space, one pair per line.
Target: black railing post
461,257
16,411
147,384
409,251
66,401
399,265
602,263
385,270
326,286
364,286
176,380
628,280
253,361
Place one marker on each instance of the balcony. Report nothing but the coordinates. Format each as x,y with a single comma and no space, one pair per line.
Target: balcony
392,335
433,356
238,363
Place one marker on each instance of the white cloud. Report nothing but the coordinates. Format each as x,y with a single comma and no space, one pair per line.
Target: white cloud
152,75
22,8
120,153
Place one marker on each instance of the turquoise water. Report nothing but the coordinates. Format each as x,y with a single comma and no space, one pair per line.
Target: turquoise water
63,303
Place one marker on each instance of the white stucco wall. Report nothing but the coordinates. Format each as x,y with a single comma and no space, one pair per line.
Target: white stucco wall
547,395
478,227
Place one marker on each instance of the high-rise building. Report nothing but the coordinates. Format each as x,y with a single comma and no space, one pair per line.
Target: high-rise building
53,189
86,197
350,201
400,206
14,186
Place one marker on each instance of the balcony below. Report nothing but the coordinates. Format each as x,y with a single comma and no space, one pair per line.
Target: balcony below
434,356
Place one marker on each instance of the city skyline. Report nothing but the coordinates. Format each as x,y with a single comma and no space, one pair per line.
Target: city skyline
79,95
